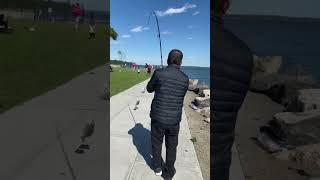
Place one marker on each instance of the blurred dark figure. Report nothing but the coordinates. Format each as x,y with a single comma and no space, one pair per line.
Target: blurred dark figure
4,27
170,86
3,22
232,65
92,26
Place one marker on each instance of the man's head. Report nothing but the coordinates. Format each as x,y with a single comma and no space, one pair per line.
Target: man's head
175,57
220,7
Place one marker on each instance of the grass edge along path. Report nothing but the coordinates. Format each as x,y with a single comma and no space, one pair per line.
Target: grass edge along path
122,79
33,63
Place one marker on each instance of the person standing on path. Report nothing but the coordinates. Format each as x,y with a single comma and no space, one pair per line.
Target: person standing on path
92,24
231,73
170,85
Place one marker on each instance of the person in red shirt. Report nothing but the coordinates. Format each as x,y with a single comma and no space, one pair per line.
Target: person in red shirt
77,12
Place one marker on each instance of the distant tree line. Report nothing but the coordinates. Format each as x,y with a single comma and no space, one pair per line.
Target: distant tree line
118,62
32,4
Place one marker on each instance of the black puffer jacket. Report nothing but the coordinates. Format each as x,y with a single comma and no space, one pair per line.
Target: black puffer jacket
231,71
170,86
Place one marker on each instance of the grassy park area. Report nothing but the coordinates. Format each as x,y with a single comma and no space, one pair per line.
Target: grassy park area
122,79
32,63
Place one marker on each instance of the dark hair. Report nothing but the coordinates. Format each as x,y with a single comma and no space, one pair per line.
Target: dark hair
175,57
220,7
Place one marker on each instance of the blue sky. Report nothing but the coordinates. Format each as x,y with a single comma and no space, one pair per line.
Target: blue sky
184,24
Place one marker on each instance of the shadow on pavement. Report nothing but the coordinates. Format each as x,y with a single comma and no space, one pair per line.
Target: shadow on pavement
141,139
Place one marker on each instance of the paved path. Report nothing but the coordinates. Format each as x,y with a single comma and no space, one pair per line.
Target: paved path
130,143
29,146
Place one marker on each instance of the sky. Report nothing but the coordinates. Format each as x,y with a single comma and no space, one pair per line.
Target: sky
291,8
184,25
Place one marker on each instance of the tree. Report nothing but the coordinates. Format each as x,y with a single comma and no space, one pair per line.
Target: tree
121,55
113,34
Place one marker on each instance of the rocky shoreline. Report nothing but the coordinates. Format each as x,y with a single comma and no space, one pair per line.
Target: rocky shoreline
286,128
199,128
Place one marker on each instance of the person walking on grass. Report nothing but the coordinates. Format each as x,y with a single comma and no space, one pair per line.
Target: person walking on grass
77,12
231,73
92,24
169,85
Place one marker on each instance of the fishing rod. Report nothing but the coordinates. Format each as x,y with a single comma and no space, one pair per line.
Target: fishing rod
159,36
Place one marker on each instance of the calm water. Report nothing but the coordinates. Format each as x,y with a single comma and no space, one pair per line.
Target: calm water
200,73
297,42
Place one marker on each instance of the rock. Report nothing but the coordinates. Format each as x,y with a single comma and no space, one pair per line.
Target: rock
199,89
307,157
207,120
271,85
299,128
205,112
202,102
193,84
267,143
267,65
281,88
192,106
206,92
304,100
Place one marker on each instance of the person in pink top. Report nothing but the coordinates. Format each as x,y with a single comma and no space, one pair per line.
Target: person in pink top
77,12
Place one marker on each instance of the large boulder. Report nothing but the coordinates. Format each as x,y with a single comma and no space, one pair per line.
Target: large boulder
202,102
299,128
305,157
281,88
272,85
193,84
205,112
266,65
304,100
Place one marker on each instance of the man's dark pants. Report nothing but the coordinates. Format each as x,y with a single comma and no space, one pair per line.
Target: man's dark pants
170,132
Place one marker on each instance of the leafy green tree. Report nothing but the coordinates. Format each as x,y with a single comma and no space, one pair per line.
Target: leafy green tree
113,34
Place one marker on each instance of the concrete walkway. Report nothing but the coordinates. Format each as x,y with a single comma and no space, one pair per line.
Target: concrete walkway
130,143
30,148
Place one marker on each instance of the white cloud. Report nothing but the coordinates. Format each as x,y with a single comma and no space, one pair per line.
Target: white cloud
126,36
196,13
166,32
172,11
139,29
189,38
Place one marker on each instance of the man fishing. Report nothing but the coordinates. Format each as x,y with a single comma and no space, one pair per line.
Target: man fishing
170,86
231,65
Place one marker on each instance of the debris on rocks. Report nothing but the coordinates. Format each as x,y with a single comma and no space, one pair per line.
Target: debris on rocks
305,100
306,157
201,104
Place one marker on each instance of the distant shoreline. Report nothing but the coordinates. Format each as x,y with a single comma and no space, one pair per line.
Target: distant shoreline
270,18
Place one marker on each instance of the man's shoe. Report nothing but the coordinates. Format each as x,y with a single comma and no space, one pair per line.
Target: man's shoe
158,171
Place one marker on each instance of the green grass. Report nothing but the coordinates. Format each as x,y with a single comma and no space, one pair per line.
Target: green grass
122,79
32,63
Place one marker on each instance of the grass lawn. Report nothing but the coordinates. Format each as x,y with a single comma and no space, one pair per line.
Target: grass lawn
32,63
120,81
